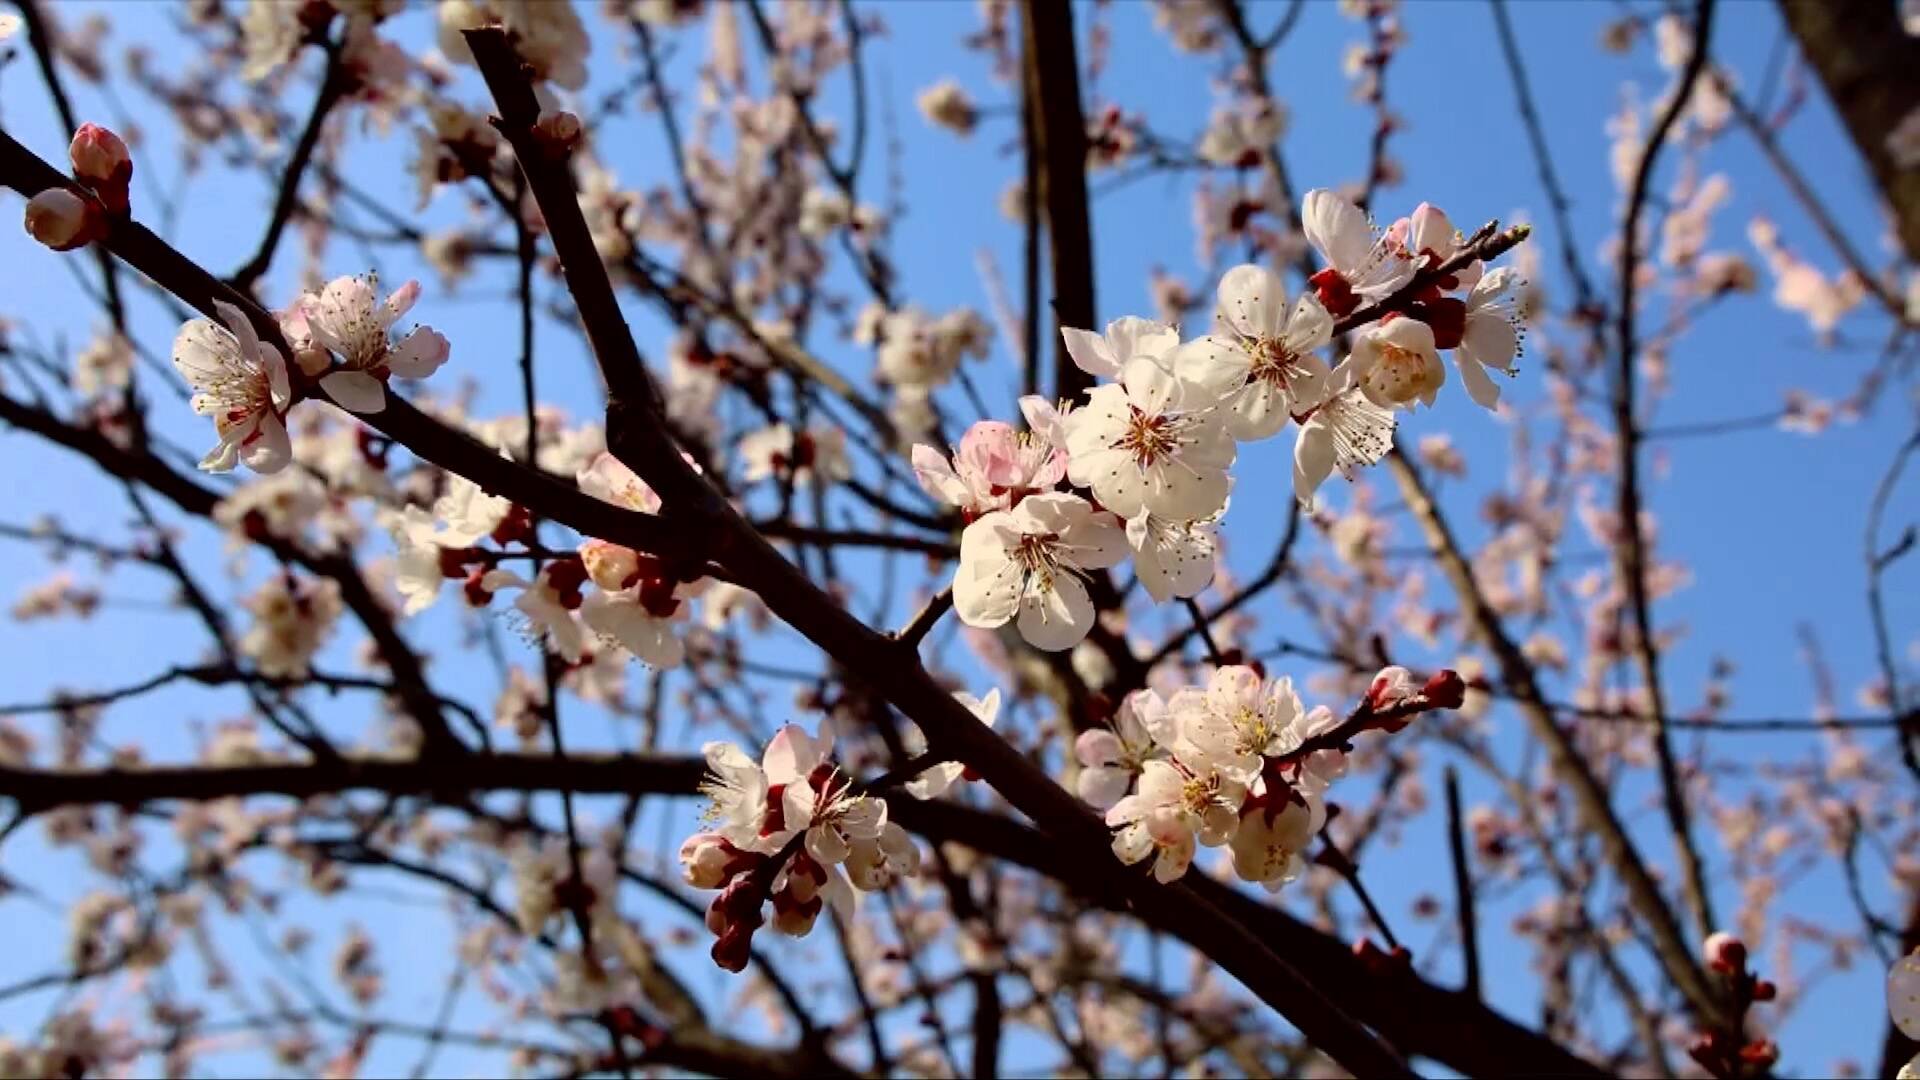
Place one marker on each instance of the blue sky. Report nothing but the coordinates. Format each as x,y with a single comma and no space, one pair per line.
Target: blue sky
1769,522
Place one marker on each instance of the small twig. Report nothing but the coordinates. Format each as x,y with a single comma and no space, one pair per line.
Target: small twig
924,621
1463,886
1336,860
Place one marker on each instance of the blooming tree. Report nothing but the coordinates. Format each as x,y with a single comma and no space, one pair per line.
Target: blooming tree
938,619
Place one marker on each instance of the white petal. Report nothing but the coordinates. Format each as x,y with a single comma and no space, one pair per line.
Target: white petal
1213,367
221,458
1058,618
1098,542
826,845
1903,994
269,450
1336,228
986,587
790,756
1252,300
1102,787
1259,412
937,477
1132,336
355,391
1480,386
1150,384
1491,340
1090,352
203,352
419,354
1312,460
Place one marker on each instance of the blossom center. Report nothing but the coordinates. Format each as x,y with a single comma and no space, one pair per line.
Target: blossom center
1273,362
1401,373
1149,436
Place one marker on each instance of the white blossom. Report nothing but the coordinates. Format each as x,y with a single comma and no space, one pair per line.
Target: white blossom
1343,432
345,318
1362,264
1028,565
1397,363
1151,442
1492,336
1260,356
241,382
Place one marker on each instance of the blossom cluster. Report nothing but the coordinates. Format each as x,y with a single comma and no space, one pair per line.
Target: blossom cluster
1239,763
1149,453
794,829
243,383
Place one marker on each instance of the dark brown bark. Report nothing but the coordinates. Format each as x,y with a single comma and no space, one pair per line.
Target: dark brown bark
1871,69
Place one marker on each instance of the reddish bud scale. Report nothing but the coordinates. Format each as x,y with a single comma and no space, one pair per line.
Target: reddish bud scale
1445,690
254,524
656,596
517,525
776,817
1446,316
453,562
478,595
1336,295
566,576
573,894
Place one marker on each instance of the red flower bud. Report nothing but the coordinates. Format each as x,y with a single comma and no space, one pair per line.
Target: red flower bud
1445,690
1725,953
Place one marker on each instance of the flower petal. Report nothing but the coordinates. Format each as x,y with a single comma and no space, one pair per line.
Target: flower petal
355,391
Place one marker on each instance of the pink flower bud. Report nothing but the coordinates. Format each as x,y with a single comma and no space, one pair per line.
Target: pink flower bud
1391,687
1725,953
62,220
705,860
101,161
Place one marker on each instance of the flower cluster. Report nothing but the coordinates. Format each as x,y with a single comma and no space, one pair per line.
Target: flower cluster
244,384
791,829
1729,1053
1240,763
635,600
1151,449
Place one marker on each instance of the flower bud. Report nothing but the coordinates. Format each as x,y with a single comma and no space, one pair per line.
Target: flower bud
1389,688
734,947
708,861
1445,690
1725,953
101,161
62,220
557,131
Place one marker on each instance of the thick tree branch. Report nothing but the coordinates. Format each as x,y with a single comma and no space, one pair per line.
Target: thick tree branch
1866,60
1052,62
1448,1026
